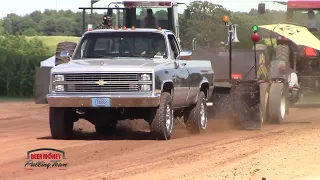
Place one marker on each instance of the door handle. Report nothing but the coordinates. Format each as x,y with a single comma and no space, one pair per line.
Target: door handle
183,64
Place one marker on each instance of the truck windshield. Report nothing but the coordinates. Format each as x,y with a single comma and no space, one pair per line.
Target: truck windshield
122,44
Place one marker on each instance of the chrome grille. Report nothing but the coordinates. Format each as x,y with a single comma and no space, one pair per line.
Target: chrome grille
114,82
101,76
103,88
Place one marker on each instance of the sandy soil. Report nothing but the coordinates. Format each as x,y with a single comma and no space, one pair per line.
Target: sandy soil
288,151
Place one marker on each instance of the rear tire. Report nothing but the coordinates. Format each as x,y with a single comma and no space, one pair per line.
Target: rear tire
61,122
196,118
161,124
277,103
64,46
283,52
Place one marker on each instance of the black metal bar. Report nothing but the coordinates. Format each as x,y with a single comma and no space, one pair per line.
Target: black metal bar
91,16
255,60
83,21
230,51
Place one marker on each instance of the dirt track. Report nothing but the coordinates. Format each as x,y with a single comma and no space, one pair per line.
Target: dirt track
289,151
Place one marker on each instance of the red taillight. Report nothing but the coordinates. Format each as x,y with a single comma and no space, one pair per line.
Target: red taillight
310,51
236,76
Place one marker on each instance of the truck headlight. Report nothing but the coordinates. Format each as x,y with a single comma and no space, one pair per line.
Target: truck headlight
145,87
58,78
58,88
145,77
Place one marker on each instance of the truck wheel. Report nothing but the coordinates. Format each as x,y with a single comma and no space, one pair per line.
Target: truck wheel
106,129
283,52
264,94
277,103
64,46
162,122
197,119
61,122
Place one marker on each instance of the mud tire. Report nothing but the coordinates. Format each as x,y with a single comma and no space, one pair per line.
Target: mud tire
61,122
64,46
158,125
195,114
277,100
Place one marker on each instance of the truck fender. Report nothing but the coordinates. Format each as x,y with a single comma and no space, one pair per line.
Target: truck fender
166,85
203,84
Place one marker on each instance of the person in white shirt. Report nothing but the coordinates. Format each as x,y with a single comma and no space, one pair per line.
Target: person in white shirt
291,76
149,21
312,21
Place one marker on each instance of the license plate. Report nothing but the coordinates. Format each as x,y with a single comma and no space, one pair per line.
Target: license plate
100,102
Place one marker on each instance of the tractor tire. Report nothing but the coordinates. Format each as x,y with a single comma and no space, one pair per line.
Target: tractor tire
64,46
196,118
264,94
283,52
277,103
161,124
61,122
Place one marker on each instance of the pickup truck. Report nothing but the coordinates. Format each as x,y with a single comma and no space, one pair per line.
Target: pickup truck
119,74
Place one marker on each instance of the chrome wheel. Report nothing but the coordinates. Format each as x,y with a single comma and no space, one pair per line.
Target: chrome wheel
169,118
203,116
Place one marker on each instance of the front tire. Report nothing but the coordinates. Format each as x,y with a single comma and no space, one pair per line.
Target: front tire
162,122
196,118
61,122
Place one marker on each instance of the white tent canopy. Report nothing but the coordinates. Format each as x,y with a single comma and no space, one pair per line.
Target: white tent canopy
50,62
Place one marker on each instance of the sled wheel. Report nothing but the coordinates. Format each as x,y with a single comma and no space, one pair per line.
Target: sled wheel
277,103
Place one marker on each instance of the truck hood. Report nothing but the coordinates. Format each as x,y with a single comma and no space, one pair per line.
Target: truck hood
107,65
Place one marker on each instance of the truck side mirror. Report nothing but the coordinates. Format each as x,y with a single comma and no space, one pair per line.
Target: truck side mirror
261,8
187,14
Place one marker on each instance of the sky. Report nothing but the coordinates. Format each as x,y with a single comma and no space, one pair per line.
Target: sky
22,7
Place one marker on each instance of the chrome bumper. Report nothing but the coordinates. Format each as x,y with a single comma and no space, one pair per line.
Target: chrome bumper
85,100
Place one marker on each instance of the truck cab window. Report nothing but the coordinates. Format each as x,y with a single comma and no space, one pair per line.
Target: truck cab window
174,46
152,17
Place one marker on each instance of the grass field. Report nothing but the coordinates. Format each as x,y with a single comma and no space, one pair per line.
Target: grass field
52,41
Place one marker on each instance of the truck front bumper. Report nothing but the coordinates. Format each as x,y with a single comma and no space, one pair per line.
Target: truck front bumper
86,100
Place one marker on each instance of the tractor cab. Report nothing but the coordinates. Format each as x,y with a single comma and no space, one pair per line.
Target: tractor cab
144,14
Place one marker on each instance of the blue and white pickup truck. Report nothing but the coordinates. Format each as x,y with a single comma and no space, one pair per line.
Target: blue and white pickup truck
129,74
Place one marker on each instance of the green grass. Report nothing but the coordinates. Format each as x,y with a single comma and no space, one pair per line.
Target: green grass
52,41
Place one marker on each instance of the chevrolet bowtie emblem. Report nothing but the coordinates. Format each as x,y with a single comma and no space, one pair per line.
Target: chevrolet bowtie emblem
101,82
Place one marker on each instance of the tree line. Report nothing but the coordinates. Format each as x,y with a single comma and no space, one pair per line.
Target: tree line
205,22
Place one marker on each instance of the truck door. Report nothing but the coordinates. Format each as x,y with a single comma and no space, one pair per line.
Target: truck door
180,79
